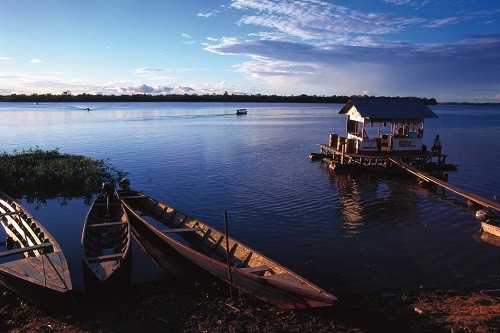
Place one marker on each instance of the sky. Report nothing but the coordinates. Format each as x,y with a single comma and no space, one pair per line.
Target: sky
449,50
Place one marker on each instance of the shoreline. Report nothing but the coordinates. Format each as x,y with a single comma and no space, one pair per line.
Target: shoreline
166,306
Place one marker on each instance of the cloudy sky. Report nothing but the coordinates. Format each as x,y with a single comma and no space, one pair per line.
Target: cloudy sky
449,50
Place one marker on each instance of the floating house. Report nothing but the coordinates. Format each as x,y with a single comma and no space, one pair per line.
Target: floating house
379,129
383,124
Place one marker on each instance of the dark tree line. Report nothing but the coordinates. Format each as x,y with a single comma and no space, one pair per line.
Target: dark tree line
258,98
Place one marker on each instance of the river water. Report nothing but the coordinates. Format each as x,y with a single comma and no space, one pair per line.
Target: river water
360,233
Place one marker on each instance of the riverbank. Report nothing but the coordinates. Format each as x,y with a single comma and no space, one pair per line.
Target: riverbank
163,306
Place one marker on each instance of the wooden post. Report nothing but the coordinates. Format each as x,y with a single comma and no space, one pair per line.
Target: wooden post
342,156
229,272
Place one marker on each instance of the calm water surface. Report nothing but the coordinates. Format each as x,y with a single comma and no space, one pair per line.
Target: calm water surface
345,233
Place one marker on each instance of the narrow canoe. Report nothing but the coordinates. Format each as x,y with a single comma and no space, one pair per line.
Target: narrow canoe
490,228
205,246
37,270
106,237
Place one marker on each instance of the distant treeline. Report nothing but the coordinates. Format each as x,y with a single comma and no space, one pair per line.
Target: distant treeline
469,103
258,98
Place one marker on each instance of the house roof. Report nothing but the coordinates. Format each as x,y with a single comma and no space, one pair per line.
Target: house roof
388,108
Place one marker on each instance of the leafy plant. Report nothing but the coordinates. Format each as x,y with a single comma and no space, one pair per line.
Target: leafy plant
41,175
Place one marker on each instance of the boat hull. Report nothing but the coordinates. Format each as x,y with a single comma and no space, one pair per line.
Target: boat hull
264,278
38,271
491,229
106,239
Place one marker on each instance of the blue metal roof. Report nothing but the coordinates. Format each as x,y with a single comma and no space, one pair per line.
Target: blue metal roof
388,108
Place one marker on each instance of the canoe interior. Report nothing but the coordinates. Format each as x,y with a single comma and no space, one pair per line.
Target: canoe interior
32,260
203,239
491,227
206,246
106,236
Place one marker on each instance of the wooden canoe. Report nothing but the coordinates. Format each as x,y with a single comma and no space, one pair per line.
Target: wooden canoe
490,228
106,237
205,246
37,270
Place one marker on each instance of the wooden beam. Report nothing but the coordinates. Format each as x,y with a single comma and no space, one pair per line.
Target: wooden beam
10,213
425,176
178,230
255,270
24,249
107,257
108,224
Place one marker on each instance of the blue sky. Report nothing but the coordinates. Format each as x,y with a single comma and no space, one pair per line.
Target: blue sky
449,50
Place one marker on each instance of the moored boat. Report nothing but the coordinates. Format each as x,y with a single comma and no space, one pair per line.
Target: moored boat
490,228
205,246
37,270
106,236
241,111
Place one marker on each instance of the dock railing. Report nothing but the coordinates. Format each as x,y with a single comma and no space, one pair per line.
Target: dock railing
425,176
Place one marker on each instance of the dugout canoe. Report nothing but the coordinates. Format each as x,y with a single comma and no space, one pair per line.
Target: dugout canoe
205,246
33,265
491,228
106,237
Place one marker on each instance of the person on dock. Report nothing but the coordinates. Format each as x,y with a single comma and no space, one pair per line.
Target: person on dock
436,145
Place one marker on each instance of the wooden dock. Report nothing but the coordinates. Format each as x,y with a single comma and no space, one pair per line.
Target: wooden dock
469,196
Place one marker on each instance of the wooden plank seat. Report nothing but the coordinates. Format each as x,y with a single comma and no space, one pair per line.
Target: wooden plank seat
133,196
103,204
107,224
179,230
106,257
256,269
10,213
24,249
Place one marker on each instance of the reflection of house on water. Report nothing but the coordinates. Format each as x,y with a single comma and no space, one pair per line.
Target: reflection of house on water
374,204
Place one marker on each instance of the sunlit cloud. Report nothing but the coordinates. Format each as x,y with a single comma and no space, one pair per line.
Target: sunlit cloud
154,73
5,58
313,19
388,64
411,3
460,19
147,89
208,14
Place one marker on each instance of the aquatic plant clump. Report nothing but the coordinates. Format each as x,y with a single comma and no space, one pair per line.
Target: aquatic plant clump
35,173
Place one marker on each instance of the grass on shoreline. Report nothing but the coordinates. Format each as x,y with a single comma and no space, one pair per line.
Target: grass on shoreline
40,175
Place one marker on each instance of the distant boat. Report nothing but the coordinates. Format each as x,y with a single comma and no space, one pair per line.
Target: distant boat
38,271
241,111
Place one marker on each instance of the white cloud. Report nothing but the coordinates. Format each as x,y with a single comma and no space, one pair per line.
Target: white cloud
5,58
35,61
154,73
208,14
147,89
412,3
376,65
314,19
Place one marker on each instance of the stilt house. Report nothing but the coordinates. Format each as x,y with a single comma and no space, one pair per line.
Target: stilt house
385,124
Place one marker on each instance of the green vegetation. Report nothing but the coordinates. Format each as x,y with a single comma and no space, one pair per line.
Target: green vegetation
41,175
235,98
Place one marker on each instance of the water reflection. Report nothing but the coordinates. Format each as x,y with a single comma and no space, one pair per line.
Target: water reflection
487,238
368,202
